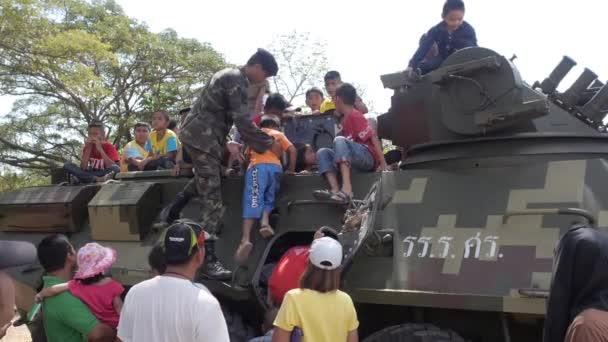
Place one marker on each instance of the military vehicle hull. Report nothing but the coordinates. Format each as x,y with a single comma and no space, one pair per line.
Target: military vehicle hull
455,245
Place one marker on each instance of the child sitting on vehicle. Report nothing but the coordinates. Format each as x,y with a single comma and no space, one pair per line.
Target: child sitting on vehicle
262,185
99,160
162,144
314,99
450,35
91,284
357,147
135,152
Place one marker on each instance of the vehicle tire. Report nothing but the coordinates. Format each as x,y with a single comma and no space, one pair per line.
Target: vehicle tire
238,329
414,333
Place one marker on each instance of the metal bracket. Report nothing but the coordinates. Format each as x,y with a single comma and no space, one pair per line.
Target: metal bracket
555,211
527,110
443,74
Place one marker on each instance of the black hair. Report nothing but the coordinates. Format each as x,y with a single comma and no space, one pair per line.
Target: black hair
329,232
276,101
156,259
172,124
53,251
164,114
269,123
96,124
301,156
266,60
92,280
332,75
184,111
452,5
142,124
347,93
314,90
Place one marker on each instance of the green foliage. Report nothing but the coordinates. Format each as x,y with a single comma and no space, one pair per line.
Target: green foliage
72,62
10,180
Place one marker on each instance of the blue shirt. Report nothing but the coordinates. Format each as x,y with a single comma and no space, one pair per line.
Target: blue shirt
447,42
266,338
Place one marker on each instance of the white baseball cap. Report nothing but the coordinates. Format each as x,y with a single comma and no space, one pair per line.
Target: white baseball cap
326,253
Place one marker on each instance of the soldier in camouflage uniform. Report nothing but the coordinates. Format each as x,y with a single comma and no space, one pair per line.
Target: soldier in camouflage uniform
204,137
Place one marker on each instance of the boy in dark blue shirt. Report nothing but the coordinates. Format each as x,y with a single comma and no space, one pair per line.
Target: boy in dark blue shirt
451,34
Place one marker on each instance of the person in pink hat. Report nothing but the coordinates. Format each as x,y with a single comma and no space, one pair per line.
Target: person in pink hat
92,285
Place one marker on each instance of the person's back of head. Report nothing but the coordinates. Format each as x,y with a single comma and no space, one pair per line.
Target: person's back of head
53,251
323,271
183,245
275,104
156,259
270,121
172,124
347,94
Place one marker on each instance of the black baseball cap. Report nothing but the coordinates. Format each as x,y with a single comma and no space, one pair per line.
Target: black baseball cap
181,240
266,60
16,253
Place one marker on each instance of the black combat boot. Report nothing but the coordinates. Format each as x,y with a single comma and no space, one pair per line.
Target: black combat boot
171,212
213,268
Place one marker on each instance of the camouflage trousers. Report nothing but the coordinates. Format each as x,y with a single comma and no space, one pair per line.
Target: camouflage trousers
207,187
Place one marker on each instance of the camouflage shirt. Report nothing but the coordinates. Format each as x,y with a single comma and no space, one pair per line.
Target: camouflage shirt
222,102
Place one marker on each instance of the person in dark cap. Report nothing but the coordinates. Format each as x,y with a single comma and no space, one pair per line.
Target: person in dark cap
222,102
12,254
180,309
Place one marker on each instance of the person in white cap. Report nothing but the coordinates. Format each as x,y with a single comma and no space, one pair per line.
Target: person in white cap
12,254
318,308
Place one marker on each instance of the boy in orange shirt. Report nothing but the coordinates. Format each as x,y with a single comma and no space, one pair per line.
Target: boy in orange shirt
262,182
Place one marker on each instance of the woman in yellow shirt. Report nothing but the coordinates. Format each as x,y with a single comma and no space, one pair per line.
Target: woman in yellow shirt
318,307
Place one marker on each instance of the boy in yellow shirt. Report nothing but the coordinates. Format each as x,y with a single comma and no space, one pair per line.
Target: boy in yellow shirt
135,152
262,182
162,144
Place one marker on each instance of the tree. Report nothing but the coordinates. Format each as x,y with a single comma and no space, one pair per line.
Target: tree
302,63
72,62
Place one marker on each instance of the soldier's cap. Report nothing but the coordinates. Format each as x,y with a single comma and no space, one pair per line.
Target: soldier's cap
266,60
181,241
16,253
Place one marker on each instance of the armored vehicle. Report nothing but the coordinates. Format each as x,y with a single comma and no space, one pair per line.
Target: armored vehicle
456,244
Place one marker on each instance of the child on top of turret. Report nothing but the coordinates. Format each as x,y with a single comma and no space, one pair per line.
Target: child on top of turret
450,35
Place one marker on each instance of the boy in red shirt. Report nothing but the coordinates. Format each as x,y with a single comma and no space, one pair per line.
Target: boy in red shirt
99,161
357,147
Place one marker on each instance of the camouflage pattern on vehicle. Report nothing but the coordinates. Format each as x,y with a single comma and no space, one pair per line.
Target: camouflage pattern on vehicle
456,245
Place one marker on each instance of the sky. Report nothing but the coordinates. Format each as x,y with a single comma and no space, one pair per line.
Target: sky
366,39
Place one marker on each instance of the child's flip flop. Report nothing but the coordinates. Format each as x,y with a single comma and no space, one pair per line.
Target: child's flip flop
266,231
242,253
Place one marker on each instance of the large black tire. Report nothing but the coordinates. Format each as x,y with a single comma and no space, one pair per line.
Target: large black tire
238,329
414,333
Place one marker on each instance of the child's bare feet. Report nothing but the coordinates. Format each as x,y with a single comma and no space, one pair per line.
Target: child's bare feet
266,231
242,252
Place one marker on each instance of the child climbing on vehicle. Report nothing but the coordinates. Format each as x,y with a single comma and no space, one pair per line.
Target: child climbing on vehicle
357,147
262,182
450,35
91,284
